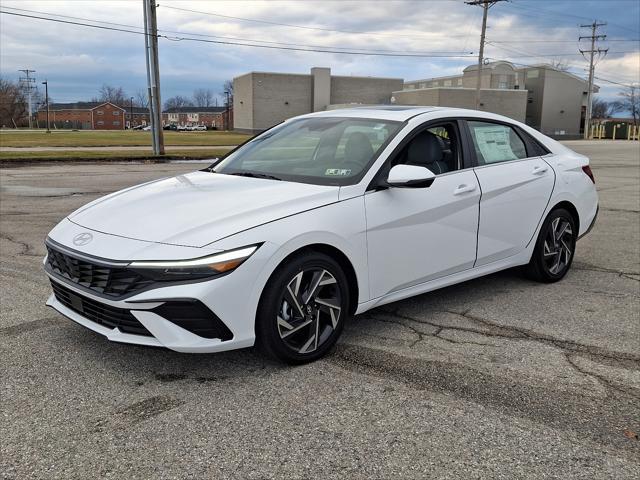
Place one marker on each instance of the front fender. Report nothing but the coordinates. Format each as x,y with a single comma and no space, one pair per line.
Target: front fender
340,225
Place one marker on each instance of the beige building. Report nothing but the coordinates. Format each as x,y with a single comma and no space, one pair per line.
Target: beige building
510,103
263,99
541,96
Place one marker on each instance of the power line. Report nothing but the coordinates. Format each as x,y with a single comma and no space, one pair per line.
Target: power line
305,27
273,47
223,36
530,40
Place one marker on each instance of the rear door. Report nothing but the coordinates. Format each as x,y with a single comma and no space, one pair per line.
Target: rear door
516,187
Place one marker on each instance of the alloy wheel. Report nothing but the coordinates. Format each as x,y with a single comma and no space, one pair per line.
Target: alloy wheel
309,310
558,246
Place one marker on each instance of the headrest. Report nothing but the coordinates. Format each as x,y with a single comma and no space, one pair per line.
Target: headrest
358,148
425,149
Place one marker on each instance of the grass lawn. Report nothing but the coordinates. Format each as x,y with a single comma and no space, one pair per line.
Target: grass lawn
109,138
112,155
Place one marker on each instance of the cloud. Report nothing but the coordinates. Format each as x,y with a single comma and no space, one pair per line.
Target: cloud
78,60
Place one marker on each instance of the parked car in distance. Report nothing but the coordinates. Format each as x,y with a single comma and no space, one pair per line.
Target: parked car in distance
324,216
171,126
199,128
147,128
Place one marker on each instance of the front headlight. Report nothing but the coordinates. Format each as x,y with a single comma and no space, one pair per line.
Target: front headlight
211,265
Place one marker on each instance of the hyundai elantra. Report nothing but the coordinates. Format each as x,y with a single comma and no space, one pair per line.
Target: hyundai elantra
324,216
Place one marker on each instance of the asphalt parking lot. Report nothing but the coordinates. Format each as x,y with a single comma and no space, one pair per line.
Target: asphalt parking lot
498,377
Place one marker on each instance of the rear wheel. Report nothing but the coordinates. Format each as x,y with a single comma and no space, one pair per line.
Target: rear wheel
555,247
303,308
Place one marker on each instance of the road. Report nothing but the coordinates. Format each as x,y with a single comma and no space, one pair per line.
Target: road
498,377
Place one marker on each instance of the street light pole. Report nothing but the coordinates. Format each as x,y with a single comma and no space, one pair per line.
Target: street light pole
227,112
46,101
131,113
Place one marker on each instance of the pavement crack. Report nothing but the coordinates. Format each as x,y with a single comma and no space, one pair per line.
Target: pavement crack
601,379
494,330
595,268
27,250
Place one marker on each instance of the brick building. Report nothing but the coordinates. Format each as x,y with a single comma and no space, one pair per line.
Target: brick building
83,116
212,117
136,116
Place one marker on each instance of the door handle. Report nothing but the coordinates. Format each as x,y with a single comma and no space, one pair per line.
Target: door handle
539,169
464,189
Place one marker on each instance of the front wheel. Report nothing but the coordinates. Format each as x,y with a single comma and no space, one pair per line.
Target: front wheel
302,309
555,248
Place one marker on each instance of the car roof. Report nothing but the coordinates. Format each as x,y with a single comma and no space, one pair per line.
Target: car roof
382,112
403,113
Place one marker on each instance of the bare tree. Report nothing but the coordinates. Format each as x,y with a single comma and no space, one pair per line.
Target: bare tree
227,89
13,104
177,102
109,93
560,64
203,97
603,109
630,102
141,98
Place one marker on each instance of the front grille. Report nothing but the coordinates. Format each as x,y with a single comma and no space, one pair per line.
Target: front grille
105,315
107,280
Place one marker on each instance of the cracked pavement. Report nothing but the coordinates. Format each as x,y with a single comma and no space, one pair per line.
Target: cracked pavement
498,377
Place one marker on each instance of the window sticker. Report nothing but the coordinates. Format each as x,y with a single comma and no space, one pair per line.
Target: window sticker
494,144
338,172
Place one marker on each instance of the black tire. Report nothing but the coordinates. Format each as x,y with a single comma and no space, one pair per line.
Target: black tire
283,329
553,255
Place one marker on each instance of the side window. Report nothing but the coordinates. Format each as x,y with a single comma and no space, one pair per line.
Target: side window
496,143
436,147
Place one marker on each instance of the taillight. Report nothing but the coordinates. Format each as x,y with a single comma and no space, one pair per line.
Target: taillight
587,169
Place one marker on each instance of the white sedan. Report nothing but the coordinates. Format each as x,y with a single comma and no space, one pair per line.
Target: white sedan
323,216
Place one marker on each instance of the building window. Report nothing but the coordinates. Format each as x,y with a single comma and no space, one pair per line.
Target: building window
116,112
532,73
502,85
100,112
100,122
423,85
447,83
116,122
459,82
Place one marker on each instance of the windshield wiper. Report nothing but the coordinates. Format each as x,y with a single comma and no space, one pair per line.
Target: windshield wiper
254,175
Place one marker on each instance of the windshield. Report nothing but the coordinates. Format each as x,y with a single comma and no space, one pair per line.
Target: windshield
327,151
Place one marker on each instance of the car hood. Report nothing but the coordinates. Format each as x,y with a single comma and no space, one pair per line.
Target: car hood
199,208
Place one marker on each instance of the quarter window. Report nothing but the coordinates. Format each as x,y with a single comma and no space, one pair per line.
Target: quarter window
496,143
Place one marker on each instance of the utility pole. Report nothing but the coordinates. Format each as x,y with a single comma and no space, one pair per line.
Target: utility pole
153,74
601,52
131,113
46,101
486,5
28,83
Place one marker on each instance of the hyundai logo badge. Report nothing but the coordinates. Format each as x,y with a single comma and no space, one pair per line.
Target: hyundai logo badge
82,239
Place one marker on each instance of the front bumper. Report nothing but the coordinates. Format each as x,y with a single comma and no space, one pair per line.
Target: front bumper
154,329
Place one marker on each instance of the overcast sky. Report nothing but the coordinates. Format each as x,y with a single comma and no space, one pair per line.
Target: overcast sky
77,60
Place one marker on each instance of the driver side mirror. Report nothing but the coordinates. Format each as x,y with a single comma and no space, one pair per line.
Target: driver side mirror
410,176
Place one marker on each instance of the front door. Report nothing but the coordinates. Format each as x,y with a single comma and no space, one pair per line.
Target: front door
419,234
